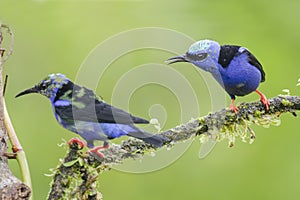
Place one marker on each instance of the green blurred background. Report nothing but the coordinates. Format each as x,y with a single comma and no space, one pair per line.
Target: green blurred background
56,36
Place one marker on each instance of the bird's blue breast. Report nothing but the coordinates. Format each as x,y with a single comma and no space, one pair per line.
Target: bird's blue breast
240,77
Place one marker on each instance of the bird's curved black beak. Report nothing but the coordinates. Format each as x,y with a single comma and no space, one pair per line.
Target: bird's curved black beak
28,91
182,58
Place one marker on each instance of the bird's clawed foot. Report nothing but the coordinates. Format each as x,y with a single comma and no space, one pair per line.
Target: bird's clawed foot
263,100
266,102
233,108
95,150
77,141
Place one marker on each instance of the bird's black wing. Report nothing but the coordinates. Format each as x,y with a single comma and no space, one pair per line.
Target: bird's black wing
99,112
85,105
109,114
253,61
228,52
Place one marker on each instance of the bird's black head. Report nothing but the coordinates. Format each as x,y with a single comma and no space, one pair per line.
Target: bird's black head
48,86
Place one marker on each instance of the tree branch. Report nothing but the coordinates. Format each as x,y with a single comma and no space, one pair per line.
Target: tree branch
76,176
10,186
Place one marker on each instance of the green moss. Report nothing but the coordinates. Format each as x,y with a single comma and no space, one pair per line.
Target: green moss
257,113
286,102
239,127
201,120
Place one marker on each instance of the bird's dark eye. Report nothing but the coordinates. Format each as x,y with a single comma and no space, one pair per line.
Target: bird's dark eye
202,56
197,57
43,87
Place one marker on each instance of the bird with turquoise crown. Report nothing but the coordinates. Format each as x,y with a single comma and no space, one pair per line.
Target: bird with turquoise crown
234,68
81,111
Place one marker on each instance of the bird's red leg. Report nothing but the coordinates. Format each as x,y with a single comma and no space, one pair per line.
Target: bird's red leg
263,99
95,150
78,141
232,107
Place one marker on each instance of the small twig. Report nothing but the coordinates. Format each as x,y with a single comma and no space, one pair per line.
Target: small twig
2,52
5,84
17,148
10,155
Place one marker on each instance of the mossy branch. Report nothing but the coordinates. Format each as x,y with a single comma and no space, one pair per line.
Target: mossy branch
77,175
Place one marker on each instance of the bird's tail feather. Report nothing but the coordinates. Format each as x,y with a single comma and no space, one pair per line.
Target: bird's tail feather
155,140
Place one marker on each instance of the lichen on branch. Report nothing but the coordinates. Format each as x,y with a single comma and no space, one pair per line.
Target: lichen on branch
223,124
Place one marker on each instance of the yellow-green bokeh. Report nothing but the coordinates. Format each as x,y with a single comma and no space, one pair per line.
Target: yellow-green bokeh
56,36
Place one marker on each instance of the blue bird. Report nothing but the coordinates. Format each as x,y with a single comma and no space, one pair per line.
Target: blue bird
80,110
234,68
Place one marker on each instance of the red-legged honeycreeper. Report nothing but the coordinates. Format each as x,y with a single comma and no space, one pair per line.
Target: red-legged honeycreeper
234,67
80,110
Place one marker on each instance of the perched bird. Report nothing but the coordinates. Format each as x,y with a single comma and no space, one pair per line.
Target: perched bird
234,67
80,110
